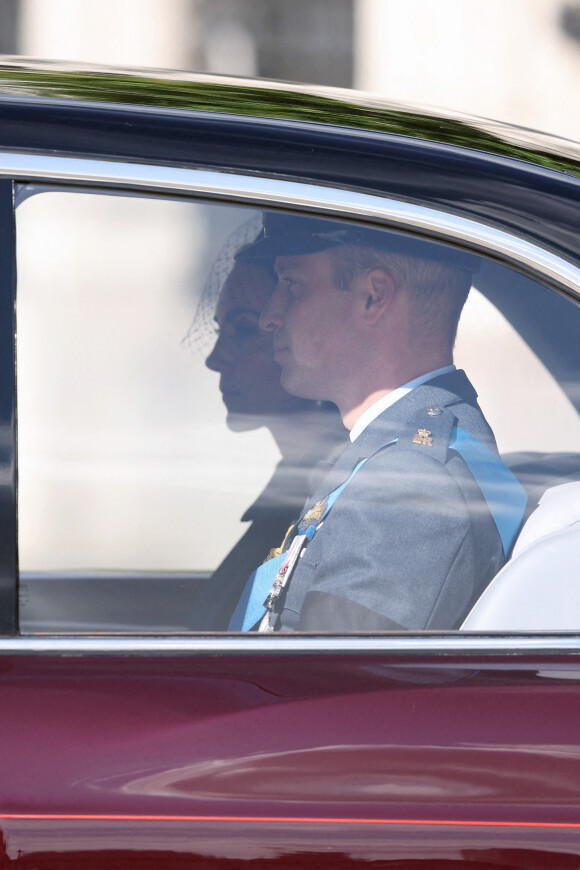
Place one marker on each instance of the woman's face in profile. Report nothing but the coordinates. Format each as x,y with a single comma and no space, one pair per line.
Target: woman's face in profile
243,353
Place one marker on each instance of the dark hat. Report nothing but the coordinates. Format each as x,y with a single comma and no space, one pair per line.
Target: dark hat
287,235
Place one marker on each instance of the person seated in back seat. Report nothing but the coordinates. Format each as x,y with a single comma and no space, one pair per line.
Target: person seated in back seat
418,513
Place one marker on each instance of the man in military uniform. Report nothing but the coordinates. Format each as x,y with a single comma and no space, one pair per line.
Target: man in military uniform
418,513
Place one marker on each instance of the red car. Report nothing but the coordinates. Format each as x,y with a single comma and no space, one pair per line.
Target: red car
133,733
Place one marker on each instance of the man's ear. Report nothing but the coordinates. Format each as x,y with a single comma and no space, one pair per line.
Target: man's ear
376,291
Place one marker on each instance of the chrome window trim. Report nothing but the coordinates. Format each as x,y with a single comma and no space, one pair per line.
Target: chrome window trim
261,191
411,644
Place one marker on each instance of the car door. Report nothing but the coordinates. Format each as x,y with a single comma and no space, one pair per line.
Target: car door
130,738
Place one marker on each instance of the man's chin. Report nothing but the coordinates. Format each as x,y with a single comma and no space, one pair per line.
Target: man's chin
297,386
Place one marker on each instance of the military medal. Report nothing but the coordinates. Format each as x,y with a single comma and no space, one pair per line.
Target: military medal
314,514
281,580
312,517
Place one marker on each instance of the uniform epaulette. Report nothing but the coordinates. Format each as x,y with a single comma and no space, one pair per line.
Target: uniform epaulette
429,432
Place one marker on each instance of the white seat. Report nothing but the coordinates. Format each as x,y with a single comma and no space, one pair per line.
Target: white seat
558,508
539,588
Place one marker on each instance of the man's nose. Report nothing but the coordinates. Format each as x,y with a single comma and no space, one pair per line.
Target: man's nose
272,317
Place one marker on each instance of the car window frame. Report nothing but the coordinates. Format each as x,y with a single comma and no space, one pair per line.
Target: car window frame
8,550
79,174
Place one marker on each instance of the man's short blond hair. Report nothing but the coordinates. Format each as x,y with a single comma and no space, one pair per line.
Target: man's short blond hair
438,290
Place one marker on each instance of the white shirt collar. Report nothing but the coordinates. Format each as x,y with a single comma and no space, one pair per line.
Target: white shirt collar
386,401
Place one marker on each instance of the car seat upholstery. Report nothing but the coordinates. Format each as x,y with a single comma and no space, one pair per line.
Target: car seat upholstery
539,587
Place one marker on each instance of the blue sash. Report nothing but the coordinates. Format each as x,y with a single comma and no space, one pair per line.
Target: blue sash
504,494
251,608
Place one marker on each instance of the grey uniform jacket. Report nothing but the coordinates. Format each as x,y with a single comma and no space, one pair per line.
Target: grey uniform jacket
270,516
410,543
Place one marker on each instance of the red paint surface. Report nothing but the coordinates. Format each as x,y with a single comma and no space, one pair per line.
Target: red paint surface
283,750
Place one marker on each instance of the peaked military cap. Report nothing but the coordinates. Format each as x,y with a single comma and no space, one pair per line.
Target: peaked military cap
288,235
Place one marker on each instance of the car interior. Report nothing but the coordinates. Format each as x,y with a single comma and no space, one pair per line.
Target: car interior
534,591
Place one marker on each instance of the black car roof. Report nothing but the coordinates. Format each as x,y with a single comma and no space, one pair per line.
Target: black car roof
284,101
514,179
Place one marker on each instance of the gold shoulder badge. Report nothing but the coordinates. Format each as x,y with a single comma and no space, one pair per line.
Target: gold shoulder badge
423,437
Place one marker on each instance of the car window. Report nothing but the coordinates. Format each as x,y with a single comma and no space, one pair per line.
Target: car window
188,375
